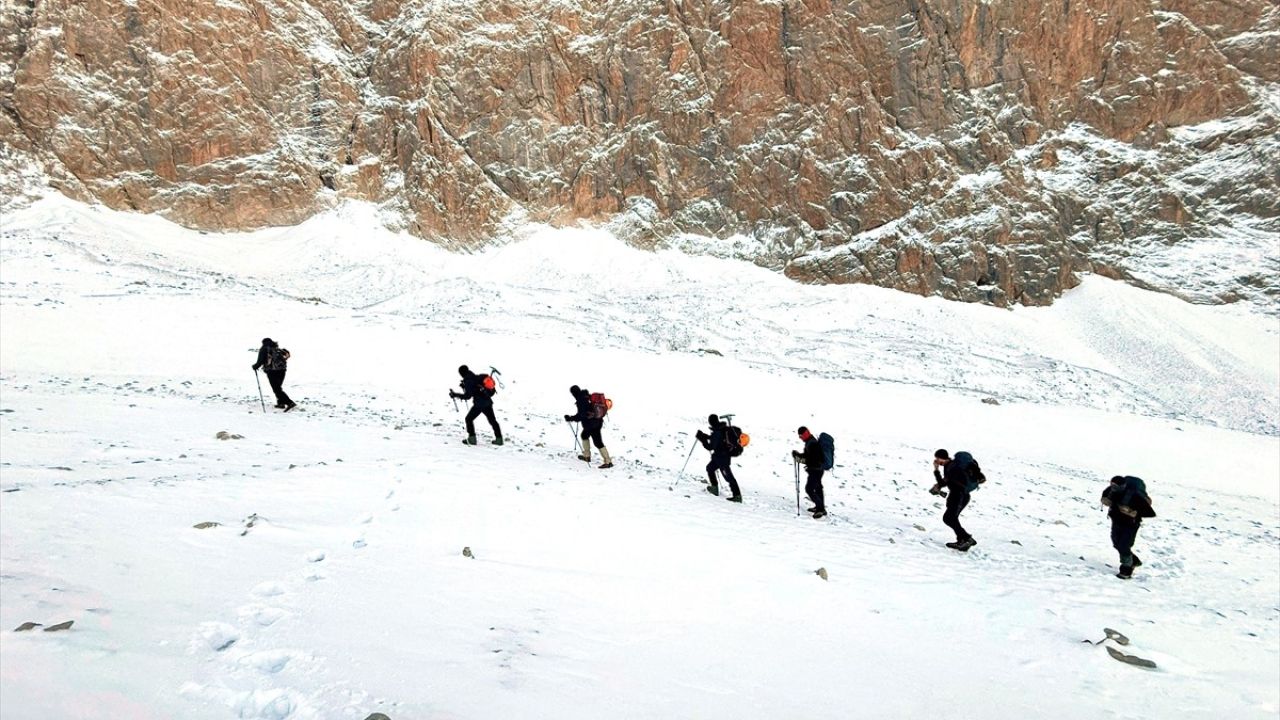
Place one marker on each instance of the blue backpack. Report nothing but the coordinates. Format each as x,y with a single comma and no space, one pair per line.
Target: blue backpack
828,444
972,473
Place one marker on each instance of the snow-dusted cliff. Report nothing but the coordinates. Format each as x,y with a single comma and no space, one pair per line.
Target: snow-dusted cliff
981,151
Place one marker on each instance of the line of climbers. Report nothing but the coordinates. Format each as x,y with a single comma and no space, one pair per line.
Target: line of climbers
955,478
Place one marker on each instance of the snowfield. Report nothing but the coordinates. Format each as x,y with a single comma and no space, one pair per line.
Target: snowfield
334,583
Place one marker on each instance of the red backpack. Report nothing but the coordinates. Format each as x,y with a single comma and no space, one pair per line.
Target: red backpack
486,382
600,406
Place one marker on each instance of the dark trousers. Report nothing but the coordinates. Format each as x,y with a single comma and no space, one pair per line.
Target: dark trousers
721,463
488,413
276,378
956,502
813,488
591,431
1124,532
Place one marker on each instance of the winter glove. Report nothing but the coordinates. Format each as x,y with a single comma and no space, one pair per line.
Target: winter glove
454,395
937,490
568,418
701,435
796,454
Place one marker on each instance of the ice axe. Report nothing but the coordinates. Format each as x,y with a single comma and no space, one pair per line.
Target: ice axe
496,374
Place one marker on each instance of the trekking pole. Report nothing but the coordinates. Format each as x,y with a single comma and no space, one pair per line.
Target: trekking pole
260,398
686,460
797,462
574,429
455,402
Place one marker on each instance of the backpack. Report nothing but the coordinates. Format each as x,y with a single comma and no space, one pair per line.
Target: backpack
599,406
735,439
828,444
972,473
487,384
277,359
1129,498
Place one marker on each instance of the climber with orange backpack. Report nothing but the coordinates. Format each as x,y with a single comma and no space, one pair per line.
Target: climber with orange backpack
592,408
725,443
479,389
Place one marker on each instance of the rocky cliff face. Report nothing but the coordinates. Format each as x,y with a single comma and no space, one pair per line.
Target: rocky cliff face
982,151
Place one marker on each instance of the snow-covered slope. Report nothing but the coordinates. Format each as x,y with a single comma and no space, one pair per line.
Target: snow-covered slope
623,593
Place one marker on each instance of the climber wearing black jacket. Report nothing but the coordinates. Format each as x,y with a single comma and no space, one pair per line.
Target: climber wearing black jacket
481,398
591,426
961,476
275,360
813,466
1127,497
718,443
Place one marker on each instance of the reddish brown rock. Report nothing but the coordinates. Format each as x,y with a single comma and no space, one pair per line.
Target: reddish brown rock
981,151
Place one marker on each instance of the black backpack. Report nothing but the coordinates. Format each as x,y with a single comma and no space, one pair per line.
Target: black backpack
828,445
733,439
277,358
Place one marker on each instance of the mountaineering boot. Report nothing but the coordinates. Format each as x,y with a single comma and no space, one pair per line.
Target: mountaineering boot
279,406
290,406
497,440
1126,572
812,509
471,440
966,544
1137,563
819,514
608,461
714,490
955,545
586,453
736,498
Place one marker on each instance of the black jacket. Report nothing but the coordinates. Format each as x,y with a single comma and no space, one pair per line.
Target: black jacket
717,442
264,354
583,401
1128,500
812,454
473,390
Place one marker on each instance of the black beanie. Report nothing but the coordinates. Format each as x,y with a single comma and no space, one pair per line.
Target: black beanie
942,455
714,420
463,370
575,390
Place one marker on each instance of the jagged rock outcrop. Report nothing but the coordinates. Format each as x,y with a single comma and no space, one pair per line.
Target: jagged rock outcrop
982,151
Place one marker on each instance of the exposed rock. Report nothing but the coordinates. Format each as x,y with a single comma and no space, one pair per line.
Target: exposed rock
205,525
60,626
979,151
990,401
224,435
466,552
1131,659
27,626
821,572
